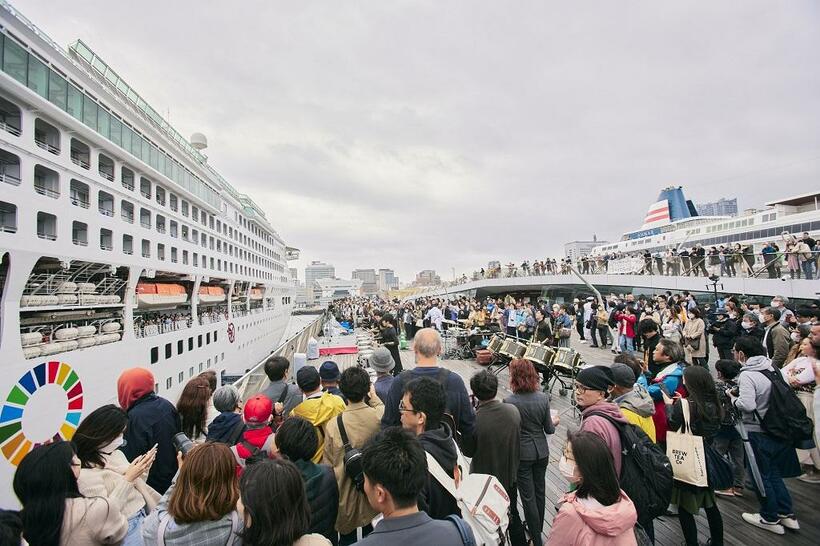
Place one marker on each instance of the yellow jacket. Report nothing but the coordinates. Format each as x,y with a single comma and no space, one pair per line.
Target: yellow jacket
319,411
361,422
646,424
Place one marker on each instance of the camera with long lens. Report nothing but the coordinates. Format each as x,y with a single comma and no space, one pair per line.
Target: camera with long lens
182,443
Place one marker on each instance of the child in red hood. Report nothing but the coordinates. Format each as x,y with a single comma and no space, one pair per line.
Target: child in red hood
258,440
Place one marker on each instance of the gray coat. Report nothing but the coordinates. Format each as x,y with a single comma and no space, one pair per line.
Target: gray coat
418,528
497,441
536,423
755,389
274,391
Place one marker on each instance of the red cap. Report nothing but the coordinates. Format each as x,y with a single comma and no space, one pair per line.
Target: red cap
258,409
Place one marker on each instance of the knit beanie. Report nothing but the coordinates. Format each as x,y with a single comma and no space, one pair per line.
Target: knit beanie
596,378
133,384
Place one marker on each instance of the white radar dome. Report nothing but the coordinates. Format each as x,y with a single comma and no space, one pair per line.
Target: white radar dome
199,141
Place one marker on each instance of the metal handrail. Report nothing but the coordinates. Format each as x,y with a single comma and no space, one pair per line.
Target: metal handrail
84,203
107,176
10,179
42,190
46,146
106,212
79,242
10,128
47,236
80,162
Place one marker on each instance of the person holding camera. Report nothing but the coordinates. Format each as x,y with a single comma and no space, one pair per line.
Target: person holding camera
360,420
297,442
200,506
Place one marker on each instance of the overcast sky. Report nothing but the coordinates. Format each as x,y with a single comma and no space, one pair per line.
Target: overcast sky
430,134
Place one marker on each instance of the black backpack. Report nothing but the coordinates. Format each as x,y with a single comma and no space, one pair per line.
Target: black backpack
786,417
352,458
646,474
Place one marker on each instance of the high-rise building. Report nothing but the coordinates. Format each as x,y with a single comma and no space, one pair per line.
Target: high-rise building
314,271
721,207
294,276
576,250
387,280
369,280
427,277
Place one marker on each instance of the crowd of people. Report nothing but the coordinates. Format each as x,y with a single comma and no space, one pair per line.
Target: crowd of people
797,256
336,458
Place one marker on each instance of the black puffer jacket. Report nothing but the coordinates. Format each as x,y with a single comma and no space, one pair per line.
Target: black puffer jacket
435,499
153,420
323,498
227,428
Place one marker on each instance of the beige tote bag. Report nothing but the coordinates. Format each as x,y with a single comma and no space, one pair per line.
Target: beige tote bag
686,452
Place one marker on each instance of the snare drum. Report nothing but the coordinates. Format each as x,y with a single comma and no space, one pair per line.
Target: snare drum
513,348
538,353
495,344
565,360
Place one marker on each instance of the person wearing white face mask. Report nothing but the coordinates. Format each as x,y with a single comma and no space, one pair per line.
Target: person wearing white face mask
597,512
786,315
105,472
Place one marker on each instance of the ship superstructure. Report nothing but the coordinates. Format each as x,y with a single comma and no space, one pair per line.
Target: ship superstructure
120,246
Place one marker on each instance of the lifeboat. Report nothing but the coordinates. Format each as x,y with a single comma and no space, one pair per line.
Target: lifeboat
211,294
151,295
257,293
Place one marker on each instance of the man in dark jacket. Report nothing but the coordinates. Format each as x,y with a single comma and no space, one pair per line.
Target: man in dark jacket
498,442
394,475
422,407
648,330
750,327
427,347
227,427
284,396
776,339
151,420
724,332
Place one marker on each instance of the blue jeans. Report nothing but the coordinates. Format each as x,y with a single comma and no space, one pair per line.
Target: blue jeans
626,343
772,455
808,267
134,535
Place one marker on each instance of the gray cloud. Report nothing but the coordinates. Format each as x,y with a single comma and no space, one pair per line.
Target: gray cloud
436,135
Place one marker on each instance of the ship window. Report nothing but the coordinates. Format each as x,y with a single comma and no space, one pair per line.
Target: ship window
15,61
180,346
105,203
201,365
90,112
104,122
161,251
172,202
8,217
105,166
145,187
160,195
191,371
9,168
160,223
154,355
184,208
80,154
79,233
127,211
214,336
116,131
106,239
181,377
199,340
74,104
78,194
146,248
38,77
173,254
46,136
46,182
127,176
169,382
208,338
145,218
184,257
190,343
168,352
127,244
173,229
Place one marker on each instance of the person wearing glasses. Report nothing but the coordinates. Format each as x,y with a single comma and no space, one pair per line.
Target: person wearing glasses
592,388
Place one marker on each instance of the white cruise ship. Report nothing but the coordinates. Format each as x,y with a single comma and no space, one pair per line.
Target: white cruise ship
119,247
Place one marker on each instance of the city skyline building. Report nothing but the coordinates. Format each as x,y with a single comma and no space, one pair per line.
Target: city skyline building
387,280
722,207
575,250
427,277
316,270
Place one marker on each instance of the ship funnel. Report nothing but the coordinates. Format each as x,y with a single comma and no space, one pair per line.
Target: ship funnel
670,207
199,141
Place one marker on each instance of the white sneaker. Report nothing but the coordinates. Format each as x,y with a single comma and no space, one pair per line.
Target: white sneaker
810,477
758,521
789,522
583,341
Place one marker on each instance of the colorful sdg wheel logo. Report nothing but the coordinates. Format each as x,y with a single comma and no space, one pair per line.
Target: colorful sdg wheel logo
39,385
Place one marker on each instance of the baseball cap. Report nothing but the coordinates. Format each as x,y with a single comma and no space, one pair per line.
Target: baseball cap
258,409
623,375
307,378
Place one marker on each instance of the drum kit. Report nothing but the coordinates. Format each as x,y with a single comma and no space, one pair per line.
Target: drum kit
456,343
557,365
365,343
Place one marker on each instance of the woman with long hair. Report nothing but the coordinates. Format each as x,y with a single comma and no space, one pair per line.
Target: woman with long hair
706,415
192,407
536,422
694,338
267,487
210,375
54,511
799,373
200,506
105,472
597,502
